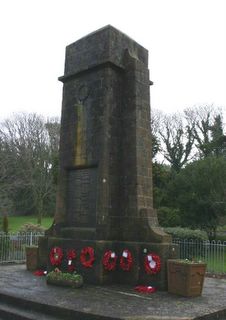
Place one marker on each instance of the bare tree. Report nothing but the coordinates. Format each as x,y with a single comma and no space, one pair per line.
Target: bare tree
202,119
28,157
156,116
177,140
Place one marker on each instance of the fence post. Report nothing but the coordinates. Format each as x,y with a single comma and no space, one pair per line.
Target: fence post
31,239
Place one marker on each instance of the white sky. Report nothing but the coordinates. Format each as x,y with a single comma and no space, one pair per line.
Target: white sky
186,40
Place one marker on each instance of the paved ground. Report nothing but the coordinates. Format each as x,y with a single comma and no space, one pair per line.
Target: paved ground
119,301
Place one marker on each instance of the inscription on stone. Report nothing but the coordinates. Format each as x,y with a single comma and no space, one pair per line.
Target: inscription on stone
82,197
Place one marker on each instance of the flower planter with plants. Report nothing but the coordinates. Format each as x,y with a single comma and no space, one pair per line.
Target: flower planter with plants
185,277
64,279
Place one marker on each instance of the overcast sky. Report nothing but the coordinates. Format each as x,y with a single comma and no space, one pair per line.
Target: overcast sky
186,40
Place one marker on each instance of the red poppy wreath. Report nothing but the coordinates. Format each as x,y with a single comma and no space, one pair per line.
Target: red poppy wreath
109,260
71,255
56,256
152,263
126,260
87,257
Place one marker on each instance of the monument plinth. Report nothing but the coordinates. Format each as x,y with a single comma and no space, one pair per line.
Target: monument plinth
105,198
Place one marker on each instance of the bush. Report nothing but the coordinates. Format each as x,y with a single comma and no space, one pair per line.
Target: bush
169,217
5,224
30,227
188,234
190,242
221,237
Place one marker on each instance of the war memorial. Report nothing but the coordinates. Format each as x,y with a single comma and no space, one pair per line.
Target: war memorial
105,197
105,227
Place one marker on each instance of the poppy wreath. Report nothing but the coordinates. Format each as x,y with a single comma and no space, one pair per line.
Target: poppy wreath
87,257
109,260
126,260
71,255
152,263
56,256
145,289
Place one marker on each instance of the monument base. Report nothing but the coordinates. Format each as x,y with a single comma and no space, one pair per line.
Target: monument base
97,273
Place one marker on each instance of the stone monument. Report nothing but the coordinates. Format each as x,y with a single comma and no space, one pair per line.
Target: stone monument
105,198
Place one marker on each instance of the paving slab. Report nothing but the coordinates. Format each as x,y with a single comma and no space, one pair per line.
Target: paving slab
116,301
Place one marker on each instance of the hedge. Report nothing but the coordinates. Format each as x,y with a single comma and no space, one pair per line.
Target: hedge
186,233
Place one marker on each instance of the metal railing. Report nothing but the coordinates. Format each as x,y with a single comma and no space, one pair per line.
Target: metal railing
12,245
211,252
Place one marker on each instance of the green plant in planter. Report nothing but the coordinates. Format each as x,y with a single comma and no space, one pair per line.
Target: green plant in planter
190,261
59,278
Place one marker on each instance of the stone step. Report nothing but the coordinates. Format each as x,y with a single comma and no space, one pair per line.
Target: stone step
11,312
16,308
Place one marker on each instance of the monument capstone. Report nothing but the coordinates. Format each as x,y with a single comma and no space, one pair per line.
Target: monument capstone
105,193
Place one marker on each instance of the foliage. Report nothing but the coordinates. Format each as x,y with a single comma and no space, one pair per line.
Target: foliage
218,143
192,260
176,137
154,124
187,234
221,237
30,227
162,175
197,132
5,224
198,191
190,193
28,153
169,217
156,145
207,124
185,193
55,275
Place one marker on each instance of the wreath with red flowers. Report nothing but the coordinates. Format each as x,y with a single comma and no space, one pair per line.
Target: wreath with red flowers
109,260
152,263
126,260
71,255
87,257
56,256
145,289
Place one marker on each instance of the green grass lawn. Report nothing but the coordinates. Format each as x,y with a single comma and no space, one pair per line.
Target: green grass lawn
15,223
216,264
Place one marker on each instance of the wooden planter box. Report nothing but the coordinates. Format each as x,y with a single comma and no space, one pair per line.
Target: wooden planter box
32,258
185,278
58,281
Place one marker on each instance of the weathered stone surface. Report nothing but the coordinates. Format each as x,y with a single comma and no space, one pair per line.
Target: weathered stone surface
22,290
105,153
105,196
